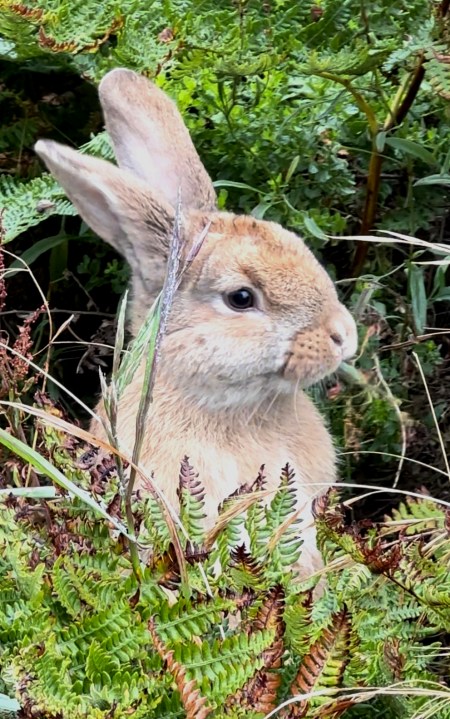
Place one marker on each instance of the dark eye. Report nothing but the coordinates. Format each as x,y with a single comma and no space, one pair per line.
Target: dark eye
239,300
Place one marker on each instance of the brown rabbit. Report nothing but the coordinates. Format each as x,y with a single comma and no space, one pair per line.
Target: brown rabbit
255,320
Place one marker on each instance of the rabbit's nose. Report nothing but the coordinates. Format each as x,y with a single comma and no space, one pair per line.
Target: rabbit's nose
343,334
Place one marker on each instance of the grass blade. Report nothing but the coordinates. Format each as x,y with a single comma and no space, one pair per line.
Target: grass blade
45,467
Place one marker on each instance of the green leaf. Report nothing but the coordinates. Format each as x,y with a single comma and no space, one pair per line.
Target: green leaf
260,210
292,168
418,296
411,148
137,350
380,141
313,228
236,185
43,465
35,251
443,296
433,180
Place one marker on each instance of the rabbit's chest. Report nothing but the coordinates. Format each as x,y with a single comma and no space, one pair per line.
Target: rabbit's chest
229,454
221,469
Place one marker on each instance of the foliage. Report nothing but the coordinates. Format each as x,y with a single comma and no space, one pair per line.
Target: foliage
254,77
329,117
82,636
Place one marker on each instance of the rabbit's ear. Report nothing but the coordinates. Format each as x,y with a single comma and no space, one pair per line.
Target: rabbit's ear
151,141
116,205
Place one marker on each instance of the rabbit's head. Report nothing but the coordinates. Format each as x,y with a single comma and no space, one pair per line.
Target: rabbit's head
256,314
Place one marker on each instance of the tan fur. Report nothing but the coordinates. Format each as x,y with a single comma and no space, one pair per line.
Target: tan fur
229,391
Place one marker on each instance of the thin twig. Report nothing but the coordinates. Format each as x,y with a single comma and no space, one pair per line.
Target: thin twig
153,351
394,404
433,413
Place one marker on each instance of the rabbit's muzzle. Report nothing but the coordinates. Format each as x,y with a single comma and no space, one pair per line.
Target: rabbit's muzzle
342,331
316,352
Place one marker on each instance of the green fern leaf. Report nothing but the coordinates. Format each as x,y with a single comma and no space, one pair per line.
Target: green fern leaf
324,665
221,667
191,496
21,203
345,63
100,664
437,67
26,204
184,621
419,515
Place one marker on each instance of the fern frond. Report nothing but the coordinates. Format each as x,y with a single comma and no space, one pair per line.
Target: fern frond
411,45
222,667
260,691
191,496
346,62
195,705
101,665
245,570
297,618
324,664
155,524
54,23
274,529
186,620
420,515
21,202
437,67
26,204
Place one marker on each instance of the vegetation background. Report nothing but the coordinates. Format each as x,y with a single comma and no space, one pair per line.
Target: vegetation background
332,118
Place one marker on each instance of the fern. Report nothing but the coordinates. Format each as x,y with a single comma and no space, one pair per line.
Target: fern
192,502
118,642
324,664
53,23
21,203
26,204
183,621
419,515
438,70
221,667
344,64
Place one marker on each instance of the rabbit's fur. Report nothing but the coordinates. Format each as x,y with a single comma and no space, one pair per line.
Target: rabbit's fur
229,390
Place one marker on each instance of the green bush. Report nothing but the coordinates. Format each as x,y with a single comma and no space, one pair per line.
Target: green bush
82,636
331,118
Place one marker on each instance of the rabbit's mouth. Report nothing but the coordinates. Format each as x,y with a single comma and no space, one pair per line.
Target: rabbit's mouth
310,360
305,374
316,353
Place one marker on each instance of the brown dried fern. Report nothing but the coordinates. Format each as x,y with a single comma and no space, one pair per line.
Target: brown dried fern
188,479
260,691
191,699
242,559
331,649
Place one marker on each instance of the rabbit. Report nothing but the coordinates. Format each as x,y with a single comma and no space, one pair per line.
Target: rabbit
256,319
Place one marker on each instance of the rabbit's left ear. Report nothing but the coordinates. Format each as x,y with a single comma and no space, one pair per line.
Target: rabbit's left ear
151,141
119,207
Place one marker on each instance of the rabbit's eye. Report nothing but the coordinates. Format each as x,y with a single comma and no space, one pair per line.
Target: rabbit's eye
239,300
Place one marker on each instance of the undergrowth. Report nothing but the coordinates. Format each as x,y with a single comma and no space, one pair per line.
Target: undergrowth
82,636
331,118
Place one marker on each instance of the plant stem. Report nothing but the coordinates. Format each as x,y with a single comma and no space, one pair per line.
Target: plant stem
359,99
153,351
399,110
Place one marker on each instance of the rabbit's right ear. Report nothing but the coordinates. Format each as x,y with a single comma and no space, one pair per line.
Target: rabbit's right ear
151,140
114,203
